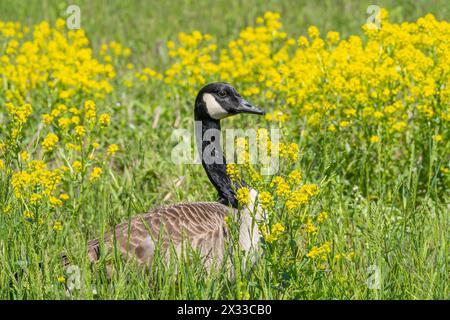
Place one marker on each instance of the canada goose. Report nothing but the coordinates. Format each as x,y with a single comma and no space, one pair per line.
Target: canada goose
202,224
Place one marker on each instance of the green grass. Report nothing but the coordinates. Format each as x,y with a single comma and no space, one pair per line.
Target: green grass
145,27
391,217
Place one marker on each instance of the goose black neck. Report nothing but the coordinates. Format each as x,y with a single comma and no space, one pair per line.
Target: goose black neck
213,160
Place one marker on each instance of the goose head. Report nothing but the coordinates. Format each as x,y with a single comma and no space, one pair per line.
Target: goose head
219,100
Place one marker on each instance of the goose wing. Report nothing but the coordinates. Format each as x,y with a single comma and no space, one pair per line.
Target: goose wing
201,224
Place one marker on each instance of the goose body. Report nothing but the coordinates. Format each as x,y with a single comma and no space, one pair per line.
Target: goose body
200,224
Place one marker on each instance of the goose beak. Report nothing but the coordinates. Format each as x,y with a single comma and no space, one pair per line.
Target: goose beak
247,107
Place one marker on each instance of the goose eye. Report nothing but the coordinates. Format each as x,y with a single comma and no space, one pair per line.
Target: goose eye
222,94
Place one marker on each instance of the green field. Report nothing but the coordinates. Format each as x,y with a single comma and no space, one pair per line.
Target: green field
384,183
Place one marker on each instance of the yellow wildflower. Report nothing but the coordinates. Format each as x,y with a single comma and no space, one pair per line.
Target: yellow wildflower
24,155
36,165
321,251
296,199
310,189
7,209
64,122
333,37
74,147
74,111
292,152
55,202
60,23
233,171
323,216
49,142
77,166
47,119
310,227
243,195
112,149
96,172
57,226
274,234
294,178
437,138
265,199
90,110
283,189
313,32
344,124
28,215
104,120
75,120
80,132
64,196
35,198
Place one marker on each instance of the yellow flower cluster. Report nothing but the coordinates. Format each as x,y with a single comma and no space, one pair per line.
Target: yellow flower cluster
52,57
55,71
243,195
78,128
320,252
104,120
277,116
61,279
49,142
274,233
287,188
96,172
289,152
285,198
35,177
282,189
193,63
294,178
112,149
113,49
266,200
57,226
233,171
310,228
19,114
323,216
148,73
394,80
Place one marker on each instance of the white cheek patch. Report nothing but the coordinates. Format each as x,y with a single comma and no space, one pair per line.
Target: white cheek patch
214,109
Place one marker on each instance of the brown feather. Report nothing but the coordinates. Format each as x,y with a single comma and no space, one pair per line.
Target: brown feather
200,224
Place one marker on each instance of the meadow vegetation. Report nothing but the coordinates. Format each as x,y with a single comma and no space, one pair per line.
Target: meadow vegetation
358,209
